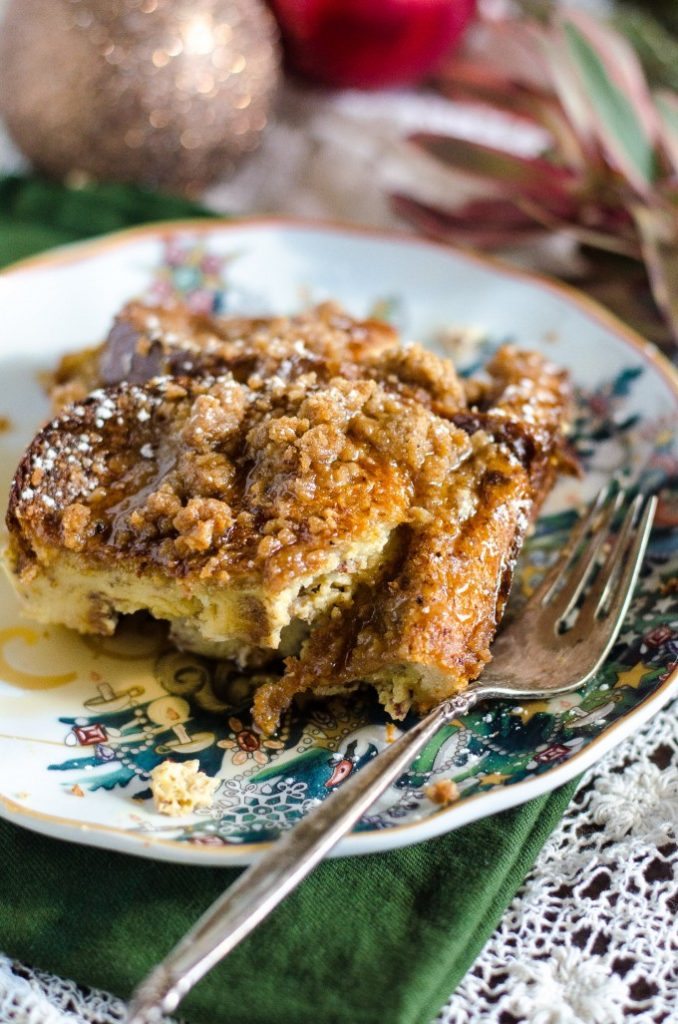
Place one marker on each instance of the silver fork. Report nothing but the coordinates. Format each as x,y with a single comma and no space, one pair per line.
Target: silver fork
556,644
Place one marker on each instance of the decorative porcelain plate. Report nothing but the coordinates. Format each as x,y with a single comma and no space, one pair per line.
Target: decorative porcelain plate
84,720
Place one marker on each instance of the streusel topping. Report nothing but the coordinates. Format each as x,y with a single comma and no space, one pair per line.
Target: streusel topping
149,341
215,478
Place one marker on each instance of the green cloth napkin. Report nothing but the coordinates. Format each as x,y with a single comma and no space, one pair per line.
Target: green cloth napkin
380,939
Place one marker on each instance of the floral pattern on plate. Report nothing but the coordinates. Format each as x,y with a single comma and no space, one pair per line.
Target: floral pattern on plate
110,710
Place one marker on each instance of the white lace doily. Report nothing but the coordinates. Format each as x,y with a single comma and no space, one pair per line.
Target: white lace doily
591,938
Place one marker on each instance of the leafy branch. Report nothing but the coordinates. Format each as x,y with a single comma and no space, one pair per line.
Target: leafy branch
608,173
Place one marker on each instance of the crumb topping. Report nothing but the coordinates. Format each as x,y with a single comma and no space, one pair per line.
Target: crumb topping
443,792
75,525
179,787
150,341
420,374
214,478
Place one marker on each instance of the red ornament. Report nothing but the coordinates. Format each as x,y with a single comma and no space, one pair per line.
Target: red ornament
368,44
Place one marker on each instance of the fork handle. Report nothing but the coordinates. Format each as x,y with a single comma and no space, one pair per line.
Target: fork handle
271,878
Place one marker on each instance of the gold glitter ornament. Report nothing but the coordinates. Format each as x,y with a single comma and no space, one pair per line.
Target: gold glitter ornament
167,93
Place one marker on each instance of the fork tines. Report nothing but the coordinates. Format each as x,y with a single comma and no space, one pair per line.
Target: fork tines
598,538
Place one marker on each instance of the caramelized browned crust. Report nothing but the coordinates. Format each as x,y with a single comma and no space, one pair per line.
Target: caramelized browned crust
424,629
151,341
524,404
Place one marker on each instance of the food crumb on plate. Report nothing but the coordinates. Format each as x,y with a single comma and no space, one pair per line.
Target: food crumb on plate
77,790
180,787
5,424
390,731
443,791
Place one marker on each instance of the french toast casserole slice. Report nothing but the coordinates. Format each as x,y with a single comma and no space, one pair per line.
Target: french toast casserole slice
302,488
